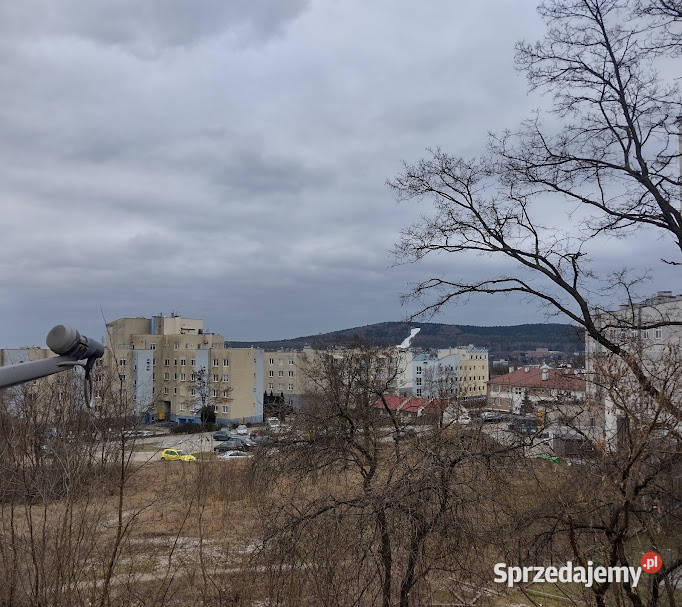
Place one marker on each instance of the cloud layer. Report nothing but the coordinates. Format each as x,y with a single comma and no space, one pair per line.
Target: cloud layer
228,159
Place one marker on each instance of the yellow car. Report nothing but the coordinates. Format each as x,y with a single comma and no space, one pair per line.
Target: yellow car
175,455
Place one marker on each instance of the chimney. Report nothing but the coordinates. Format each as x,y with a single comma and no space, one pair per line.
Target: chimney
525,369
511,369
545,372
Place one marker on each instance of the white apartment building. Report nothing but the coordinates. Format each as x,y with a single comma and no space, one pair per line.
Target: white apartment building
461,371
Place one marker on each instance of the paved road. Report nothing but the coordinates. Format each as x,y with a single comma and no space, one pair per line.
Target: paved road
190,443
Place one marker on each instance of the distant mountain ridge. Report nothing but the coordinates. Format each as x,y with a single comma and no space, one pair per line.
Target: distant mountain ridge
502,341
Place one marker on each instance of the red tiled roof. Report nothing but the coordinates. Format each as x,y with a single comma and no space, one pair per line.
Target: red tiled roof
412,404
560,379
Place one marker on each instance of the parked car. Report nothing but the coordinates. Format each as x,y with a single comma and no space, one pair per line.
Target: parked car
464,419
523,425
233,455
403,433
242,430
175,455
491,416
235,443
262,439
273,423
222,435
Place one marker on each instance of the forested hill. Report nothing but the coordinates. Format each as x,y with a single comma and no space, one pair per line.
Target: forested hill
502,341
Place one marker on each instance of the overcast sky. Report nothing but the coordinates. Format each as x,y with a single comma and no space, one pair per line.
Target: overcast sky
227,159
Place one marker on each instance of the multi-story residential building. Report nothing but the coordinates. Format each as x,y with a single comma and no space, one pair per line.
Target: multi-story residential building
462,371
284,374
170,367
651,331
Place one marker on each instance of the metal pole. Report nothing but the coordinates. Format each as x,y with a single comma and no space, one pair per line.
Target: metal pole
12,375
74,349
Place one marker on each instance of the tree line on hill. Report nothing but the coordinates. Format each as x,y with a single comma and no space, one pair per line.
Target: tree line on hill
502,341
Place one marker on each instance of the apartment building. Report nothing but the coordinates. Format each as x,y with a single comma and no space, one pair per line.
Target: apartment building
170,367
284,373
462,371
647,330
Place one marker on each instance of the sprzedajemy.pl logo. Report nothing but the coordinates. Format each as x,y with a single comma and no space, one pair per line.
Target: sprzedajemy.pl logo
577,574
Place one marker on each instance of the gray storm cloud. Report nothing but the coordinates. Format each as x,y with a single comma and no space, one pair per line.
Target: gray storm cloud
228,159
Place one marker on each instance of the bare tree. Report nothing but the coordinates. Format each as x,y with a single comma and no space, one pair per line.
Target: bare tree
613,164
354,512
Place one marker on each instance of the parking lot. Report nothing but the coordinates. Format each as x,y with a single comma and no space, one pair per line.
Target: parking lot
149,448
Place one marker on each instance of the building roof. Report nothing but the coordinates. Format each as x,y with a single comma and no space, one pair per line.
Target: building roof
413,404
531,377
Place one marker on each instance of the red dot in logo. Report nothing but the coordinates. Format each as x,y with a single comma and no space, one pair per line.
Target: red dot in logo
651,562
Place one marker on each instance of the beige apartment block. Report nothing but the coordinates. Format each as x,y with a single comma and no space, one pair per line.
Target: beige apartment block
474,372
284,373
171,367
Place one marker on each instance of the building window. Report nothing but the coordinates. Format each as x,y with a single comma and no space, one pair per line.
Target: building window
123,377
215,362
216,377
645,334
291,373
281,373
175,390
215,393
166,375
225,362
193,392
419,370
183,376
182,406
225,378
176,346
183,362
291,387
175,362
224,408
122,362
419,381
166,362
271,386
193,376
226,393
152,346
291,361
272,361
658,333
165,389
419,391
271,373
215,408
